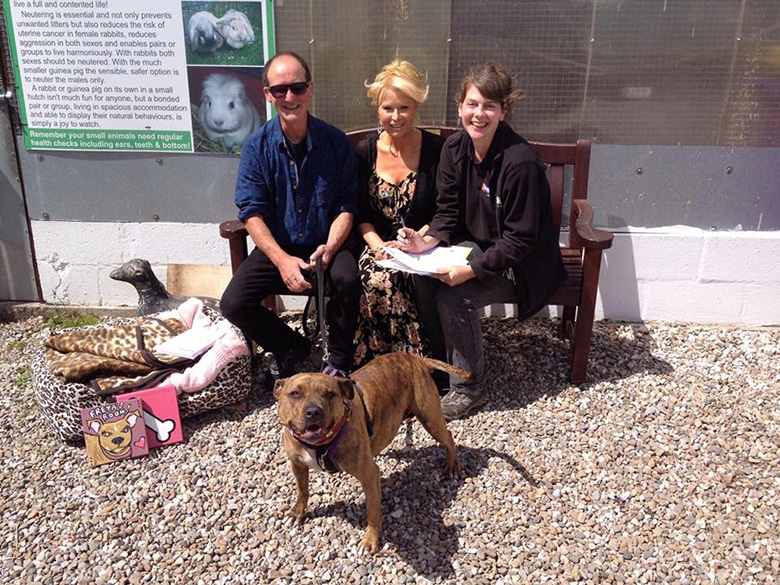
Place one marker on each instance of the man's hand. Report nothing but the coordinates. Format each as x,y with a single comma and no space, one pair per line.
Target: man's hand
292,271
290,268
323,251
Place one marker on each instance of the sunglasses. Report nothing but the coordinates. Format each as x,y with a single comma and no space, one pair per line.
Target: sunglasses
280,91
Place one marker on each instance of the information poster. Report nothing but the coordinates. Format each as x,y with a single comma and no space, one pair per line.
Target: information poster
140,75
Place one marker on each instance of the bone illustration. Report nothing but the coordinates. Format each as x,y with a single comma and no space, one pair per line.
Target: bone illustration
162,428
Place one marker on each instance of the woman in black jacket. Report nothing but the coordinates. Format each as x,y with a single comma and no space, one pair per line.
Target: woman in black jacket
493,196
397,171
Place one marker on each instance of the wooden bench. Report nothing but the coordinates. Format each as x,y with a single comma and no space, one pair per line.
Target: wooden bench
581,255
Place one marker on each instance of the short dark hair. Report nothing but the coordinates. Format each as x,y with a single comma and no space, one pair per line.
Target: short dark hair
494,82
292,54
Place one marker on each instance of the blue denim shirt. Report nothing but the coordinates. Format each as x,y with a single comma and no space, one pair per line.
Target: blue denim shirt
298,206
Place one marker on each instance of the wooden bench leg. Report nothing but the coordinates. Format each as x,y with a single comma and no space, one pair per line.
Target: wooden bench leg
583,330
566,329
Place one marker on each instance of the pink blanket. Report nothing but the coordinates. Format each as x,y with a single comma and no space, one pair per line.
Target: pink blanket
230,345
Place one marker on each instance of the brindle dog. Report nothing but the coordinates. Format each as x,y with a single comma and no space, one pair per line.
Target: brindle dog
341,424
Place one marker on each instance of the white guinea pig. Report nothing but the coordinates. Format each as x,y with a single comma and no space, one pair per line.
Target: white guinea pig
204,33
236,29
225,111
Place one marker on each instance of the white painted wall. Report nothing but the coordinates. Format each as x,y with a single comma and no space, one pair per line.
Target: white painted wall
670,274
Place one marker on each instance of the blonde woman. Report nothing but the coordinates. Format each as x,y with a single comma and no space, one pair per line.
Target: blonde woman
397,172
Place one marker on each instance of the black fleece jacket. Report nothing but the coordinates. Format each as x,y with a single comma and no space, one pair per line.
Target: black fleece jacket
503,204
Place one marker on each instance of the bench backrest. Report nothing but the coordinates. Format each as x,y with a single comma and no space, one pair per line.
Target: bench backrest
564,186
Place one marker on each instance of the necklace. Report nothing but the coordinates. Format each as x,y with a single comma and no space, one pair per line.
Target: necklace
397,152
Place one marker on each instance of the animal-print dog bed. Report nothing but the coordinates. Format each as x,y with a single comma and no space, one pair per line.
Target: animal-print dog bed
61,402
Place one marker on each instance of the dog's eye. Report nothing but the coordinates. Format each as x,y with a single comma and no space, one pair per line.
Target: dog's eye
294,394
331,395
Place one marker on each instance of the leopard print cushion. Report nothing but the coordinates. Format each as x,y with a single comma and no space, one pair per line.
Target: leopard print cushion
80,353
61,403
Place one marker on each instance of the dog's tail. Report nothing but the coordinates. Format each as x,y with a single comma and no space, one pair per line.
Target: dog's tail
445,367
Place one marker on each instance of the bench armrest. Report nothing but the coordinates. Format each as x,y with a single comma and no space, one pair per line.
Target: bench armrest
235,233
588,235
232,229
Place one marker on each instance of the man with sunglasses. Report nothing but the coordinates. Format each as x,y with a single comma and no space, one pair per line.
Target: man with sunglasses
296,193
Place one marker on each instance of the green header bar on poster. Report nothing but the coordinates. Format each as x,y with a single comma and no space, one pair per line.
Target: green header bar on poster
127,140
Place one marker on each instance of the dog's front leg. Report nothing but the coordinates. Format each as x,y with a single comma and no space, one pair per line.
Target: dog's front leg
301,473
373,491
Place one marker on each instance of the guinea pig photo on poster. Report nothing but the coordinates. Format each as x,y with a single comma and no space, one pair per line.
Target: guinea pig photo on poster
226,112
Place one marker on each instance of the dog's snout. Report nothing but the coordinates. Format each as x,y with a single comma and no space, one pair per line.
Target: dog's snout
313,412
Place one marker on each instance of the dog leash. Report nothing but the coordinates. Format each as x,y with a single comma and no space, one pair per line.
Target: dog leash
320,305
324,337
318,300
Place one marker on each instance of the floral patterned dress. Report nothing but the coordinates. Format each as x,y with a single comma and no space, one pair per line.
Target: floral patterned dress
388,318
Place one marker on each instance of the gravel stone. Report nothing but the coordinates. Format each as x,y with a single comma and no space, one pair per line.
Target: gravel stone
663,468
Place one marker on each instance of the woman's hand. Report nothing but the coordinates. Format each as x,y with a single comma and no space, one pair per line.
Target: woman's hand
455,275
379,253
410,241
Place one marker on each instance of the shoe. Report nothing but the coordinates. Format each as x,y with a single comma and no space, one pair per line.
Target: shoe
285,362
459,402
334,372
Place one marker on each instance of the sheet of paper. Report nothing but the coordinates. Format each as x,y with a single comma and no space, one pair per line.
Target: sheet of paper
189,344
435,261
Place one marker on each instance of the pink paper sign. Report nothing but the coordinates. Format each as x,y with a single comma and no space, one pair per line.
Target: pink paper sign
161,414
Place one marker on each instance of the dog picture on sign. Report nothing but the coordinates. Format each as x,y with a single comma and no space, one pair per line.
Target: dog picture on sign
113,432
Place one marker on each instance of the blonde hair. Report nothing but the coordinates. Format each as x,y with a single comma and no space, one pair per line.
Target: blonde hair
401,76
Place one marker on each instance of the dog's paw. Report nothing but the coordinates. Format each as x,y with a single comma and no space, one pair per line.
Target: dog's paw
452,469
297,513
370,543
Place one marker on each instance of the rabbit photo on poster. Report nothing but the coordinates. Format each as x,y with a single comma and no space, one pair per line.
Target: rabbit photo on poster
204,33
226,112
236,29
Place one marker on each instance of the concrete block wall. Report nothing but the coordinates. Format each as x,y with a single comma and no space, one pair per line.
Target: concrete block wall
684,274
75,259
672,274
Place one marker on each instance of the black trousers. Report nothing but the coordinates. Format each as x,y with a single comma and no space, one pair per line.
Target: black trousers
257,277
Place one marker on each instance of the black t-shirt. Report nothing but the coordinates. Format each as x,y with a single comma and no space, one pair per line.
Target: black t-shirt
298,150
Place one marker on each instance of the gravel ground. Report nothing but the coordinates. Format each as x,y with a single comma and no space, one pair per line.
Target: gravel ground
663,469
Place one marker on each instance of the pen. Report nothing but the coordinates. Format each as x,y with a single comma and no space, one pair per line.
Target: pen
403,238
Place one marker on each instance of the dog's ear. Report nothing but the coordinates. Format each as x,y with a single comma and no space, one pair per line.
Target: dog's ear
347,387
131,417
95,425
278,385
